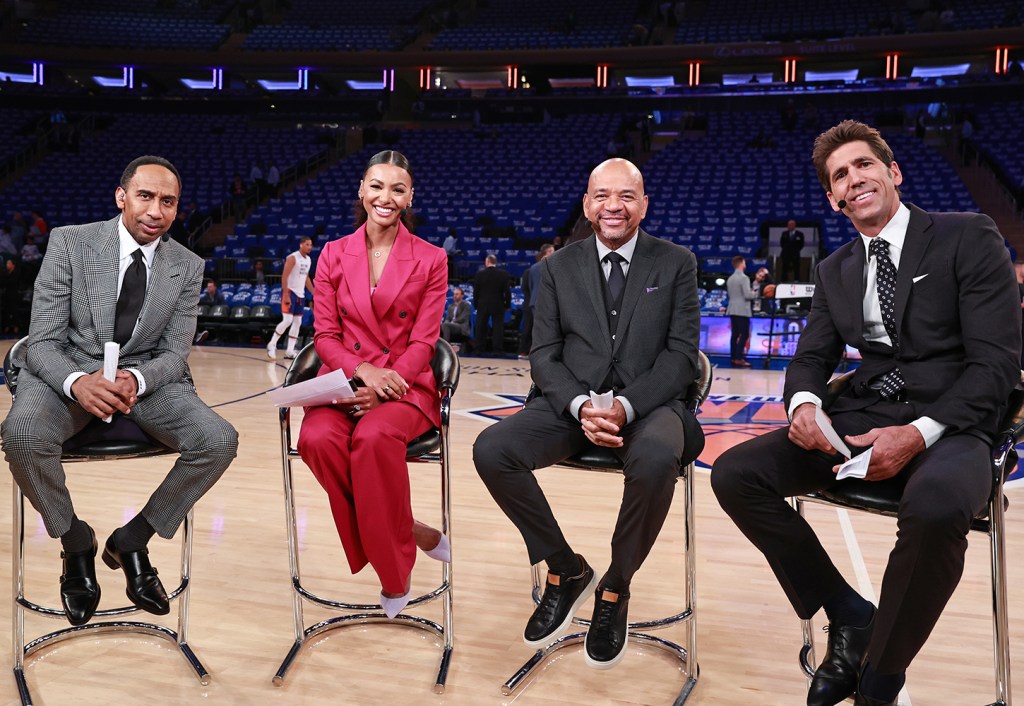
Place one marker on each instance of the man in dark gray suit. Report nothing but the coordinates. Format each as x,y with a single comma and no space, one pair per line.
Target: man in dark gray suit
121,281
455,326
931,303
617,311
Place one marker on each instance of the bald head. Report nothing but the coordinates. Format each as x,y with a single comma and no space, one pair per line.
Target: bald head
615,202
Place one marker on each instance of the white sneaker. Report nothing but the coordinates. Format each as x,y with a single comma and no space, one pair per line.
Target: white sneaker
290,354
272,352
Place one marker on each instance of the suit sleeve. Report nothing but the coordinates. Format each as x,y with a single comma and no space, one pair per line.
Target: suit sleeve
170,356
819,349
676,366
326,318
51,313
426,329
748,291
555,379
990,319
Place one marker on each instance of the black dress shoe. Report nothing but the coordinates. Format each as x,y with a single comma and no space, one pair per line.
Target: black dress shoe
863,700
558,604
609,631
839,672
79,590
143,588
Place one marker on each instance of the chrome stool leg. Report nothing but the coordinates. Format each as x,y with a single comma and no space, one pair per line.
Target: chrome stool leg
23,650
360,613
687,655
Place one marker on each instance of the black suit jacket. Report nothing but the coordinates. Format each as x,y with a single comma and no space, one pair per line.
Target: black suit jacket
958,317
491,289
655,347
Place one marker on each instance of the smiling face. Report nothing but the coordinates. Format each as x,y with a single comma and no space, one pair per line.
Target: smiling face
384,191
615,202
858,176
150,202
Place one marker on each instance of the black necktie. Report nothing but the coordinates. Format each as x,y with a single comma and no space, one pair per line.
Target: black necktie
616,280
885,285
129,301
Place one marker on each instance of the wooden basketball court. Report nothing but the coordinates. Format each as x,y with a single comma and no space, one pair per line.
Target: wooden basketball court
241,624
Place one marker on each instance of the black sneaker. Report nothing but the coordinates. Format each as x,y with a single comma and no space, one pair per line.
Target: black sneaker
609,631
559,604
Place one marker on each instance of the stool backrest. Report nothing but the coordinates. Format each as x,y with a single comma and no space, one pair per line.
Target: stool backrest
13,361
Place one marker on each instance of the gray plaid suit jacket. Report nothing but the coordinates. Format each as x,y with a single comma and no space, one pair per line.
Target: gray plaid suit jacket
72,317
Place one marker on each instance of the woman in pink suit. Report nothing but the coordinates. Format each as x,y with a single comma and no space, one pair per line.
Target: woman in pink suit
379,300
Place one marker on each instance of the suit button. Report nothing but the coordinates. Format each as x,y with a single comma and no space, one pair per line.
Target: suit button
614,313
356,346
344,311
401,314
386,350
615,360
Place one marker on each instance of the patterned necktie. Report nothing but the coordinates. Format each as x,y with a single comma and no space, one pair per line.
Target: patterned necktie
616,279
885,284
129,301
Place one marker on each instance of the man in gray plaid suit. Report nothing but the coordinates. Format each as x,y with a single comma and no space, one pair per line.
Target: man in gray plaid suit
119,280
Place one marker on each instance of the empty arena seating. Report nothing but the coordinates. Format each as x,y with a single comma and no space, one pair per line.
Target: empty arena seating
327,25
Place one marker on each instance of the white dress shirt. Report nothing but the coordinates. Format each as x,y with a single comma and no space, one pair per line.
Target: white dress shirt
894,233
127,246
626,251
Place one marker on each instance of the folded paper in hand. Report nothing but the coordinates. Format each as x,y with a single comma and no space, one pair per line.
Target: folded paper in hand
603,401
856,467
322,390
826,428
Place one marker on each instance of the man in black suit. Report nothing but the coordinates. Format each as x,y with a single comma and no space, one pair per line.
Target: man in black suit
791,242
617,311
929,300
491,297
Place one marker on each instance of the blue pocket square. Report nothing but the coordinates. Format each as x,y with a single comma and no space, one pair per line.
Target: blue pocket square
651,289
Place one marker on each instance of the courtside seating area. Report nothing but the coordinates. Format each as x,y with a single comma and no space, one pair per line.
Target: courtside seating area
752,20
711,193
327,25
543,24
78,187
147,24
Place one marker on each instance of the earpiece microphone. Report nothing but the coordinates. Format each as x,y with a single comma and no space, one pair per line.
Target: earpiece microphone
164,237
841,203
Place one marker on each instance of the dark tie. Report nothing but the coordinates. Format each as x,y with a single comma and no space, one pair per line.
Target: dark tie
616,280
885,284
129,301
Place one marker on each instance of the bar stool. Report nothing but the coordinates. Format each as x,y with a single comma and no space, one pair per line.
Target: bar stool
99,441
604,460
882,498
429,447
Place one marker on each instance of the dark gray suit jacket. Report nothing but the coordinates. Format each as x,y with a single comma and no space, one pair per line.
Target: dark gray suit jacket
655,346
958,316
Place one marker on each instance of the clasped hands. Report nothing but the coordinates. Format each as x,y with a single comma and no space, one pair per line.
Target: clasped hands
101,397
602,426
892,447
379,386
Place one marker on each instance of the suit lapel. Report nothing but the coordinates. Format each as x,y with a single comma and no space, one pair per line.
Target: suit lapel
639,272
100,260
160,296
914,247
396,273
593,284
852,274
356,270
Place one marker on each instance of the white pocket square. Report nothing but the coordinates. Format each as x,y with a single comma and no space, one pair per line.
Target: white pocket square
919,278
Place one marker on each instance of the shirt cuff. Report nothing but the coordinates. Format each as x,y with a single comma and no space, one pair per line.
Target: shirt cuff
630,413
930,429
69,381
139,379
800,398
577,402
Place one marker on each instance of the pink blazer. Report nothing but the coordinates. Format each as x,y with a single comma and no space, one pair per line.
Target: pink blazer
398,326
